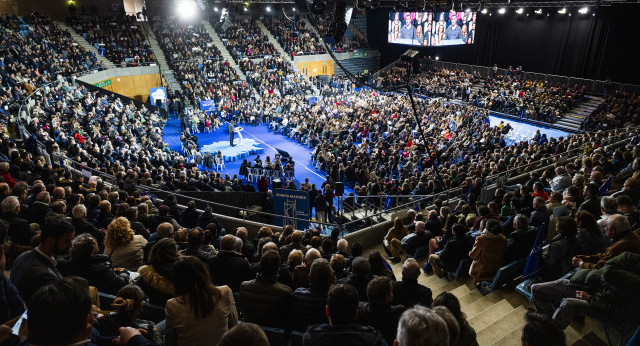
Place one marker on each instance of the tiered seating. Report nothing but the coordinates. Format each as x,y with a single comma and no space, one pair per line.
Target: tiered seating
119,36
292,35
618,110
348,43
269,75
244,39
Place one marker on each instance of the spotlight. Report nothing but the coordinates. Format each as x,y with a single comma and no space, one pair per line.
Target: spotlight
520,10
437,58
268,8
293,9
245,9
527,15
569,14
186,9
547,15
484,11
593,15
502,10
468,10
538,11
583,10
215,8
562,11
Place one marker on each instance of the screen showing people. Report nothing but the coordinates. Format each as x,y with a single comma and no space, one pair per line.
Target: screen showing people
432,29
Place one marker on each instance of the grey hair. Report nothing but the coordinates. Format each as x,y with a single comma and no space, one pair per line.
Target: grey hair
609,204
409,269
9,204
521,221
452,324
619,222
538,202
343,245
78,211
421,326
83,245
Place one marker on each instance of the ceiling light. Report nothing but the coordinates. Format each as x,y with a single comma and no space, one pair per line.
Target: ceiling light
520,10
538,11
562,11
583,10
437,58
268,8
484,11
502,10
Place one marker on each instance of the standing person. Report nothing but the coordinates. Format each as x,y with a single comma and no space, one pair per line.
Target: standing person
231,133
201,312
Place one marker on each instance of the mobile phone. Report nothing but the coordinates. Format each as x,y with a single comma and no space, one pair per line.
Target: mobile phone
16,327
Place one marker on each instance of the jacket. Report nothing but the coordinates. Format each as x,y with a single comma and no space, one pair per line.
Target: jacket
309,306
31,271
99,272
189,218
156,282
360,284
37,212
266,302
592,205
383,318
487,255
557,257
519,244
84,226
409,292
539,216
229,268
454,251
128,256
11,304
20,231
618,299
629,241
342,335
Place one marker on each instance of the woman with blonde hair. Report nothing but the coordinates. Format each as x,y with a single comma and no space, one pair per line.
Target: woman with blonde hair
123,247
392,239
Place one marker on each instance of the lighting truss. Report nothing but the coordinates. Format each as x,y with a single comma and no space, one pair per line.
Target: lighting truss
542,4
256,1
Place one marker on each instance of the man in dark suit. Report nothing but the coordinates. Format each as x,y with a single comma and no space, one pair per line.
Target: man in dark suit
229,267
591,202
230,127
19,229
37,268
39,209
455,250
409,292
296,244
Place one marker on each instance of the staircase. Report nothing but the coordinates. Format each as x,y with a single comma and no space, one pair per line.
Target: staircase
85,44
497,317
357,32
311,28
225,53
167,73
577,115
284,54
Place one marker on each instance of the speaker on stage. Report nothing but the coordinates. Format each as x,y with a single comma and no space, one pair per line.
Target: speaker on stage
277,184
339,188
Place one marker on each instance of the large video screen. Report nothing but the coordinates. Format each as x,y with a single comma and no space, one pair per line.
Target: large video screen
432,29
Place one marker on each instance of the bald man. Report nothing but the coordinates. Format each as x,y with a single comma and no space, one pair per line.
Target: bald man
296,244
409,292
415,240
229,267
248,249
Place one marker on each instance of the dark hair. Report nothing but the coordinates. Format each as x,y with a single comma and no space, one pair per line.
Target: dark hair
452,303
135,293
378,289
195,238
55,228
244,334
541,330
270,263
376,262
567,226
357,249
586,221
360,267
342,302
58,312
593,189
192,283
459,230
493,226
164,251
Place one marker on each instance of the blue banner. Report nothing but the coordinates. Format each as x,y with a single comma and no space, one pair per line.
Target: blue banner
291,203
208,105
534,261
158,94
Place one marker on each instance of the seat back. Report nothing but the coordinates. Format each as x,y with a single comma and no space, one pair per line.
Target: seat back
297,338
508,273
276,336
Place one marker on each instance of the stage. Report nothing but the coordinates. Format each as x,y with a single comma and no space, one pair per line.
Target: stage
249,147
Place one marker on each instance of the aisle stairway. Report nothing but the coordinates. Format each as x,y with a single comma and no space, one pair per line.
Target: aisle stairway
284,54
225,53
167,73
497,317
85,44
577,116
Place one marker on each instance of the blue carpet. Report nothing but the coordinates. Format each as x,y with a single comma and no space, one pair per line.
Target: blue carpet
249,147
265,139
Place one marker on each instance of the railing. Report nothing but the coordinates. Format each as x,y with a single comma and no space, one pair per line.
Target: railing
593,87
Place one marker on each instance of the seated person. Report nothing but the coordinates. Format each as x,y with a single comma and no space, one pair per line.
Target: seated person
487,253
455,250
413,241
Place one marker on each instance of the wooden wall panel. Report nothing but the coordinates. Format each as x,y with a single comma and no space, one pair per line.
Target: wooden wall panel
316,68
136,87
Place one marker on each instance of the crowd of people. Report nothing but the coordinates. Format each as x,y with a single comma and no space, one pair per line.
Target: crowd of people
293,36
349,42
619,110
119,38
244,39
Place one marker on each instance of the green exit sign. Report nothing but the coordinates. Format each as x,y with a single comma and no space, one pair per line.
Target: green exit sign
103,84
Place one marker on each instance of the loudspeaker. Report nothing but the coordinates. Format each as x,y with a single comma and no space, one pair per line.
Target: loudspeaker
339,188
276,184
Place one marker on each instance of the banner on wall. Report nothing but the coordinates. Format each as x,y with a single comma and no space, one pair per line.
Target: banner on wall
102,84
291,203
208,105
158,94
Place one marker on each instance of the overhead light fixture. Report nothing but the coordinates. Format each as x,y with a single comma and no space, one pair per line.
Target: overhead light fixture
502,10
562,10
437,58
186,9
583,10
293,9
245,9
484,11
520,10
468,10
538,11
268,8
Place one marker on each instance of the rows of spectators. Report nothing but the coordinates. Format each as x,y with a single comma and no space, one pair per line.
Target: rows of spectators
348,43
120,36
269,76
244,39
617,111
293,35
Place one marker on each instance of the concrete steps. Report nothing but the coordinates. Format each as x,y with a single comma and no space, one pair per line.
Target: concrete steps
502,327
490,315
576,116
85,44
167,73
225,53
284,54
